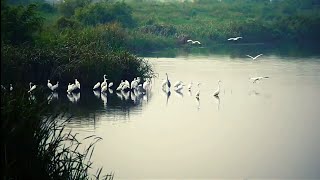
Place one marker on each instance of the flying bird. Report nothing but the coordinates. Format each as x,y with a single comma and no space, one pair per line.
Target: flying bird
234,38
254,58
255,79
193,42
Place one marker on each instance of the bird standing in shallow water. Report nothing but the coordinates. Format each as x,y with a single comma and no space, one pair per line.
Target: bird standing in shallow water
190,86
96,86
216,93
168,82
49,85
198,92
32,87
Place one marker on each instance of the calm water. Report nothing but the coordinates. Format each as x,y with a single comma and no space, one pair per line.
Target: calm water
267,130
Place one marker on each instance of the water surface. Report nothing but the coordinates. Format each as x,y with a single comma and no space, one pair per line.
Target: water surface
266,130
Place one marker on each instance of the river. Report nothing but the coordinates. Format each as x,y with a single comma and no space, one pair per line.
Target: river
263,130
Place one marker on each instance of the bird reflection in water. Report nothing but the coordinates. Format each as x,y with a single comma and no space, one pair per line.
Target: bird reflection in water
52,96
198,102
167,93
179,94
104,98
217,99
96,93
73,97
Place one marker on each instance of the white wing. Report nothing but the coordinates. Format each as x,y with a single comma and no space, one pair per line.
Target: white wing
250,56
97,85
258,56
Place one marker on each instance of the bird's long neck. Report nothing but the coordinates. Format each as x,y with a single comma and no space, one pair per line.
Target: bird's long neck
30,85
167,77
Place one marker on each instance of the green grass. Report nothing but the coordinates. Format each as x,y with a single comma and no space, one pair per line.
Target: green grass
35,144
214,21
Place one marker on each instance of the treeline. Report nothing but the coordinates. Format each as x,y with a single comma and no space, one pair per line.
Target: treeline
215,21
82,43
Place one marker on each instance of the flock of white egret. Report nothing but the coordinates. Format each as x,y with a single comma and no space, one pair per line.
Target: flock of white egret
136,86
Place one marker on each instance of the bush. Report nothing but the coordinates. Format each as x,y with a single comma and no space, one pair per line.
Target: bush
35,145
19,23
102,12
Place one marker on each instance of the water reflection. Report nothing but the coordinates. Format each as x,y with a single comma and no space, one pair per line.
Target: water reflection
253,92
167,94
141,129
53,96
74,97
96,93
198,102
179,93
104,98
217,99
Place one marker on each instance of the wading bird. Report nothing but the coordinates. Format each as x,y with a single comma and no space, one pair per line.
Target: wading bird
198,92
216,93
32,87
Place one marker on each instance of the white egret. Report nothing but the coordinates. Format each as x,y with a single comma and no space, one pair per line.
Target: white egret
49,85
120,86
11,88
77,83
234,38
198,92
179,88
104,81
177,84
168,81
96,86
55,87
32,87
138,80
190,86
132,83
125,85
104,88
71,87
193,42
216,93
254,58
255,79
110,84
